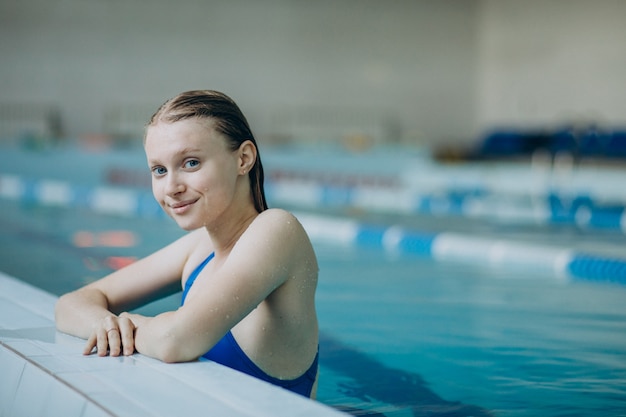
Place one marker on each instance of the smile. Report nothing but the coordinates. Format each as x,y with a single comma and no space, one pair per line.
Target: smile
182,207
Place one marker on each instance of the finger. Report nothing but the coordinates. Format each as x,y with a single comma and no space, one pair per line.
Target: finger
115,343
91,343
127,331
102,343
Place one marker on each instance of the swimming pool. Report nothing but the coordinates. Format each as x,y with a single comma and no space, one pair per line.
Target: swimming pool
401,334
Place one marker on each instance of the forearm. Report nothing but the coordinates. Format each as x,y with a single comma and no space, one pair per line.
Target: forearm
159,337
77,312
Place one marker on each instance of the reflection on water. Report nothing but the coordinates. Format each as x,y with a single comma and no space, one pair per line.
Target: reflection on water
382,390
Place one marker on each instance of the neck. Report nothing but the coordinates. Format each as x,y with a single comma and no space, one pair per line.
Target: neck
225,233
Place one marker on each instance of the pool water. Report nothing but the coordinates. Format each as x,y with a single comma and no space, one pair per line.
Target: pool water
400,335
501,341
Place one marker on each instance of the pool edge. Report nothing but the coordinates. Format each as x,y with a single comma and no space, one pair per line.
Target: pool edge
43,370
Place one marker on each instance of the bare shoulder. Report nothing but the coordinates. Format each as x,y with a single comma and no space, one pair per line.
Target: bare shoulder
277,215
278,232
281,223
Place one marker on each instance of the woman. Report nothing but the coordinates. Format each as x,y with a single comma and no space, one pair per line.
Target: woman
249,273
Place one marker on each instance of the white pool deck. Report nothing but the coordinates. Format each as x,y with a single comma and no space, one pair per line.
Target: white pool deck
43,373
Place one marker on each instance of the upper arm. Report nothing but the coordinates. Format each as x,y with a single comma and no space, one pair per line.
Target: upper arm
147,279
261,261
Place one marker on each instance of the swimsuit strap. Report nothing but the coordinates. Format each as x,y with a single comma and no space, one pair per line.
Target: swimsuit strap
194,274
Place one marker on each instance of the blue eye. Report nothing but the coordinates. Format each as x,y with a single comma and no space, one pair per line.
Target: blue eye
159,171
192,163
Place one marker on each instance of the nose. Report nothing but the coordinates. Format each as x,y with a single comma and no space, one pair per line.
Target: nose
174,185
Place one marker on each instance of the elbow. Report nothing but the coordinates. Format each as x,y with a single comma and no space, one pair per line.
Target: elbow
172,353
165,347
162,337
168,352
172,357
67,313
67,319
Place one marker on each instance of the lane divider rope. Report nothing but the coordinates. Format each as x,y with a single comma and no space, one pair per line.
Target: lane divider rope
561,263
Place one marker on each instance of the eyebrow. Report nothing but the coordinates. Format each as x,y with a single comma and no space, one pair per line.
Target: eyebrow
187,150
178,153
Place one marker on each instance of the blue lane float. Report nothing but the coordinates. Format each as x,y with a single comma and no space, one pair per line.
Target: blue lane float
561,263
104,200
552,208
588,267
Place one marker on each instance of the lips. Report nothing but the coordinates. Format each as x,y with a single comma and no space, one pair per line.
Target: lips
182,207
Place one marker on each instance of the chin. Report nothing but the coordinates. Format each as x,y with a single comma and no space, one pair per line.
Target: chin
187,226
184,224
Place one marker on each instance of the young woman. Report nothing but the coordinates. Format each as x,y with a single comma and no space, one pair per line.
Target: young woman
248,273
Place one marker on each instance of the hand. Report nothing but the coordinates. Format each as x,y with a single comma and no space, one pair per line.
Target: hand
112,334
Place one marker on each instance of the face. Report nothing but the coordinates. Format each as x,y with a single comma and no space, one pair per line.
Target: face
194,174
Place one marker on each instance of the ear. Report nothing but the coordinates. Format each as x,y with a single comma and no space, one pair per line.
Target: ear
247,157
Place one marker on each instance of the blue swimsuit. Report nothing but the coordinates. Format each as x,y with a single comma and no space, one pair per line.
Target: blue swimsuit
228,352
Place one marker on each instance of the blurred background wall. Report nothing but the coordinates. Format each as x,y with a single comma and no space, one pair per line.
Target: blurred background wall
546,62
405,71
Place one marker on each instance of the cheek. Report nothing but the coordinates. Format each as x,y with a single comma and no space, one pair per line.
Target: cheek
209,182
157,192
